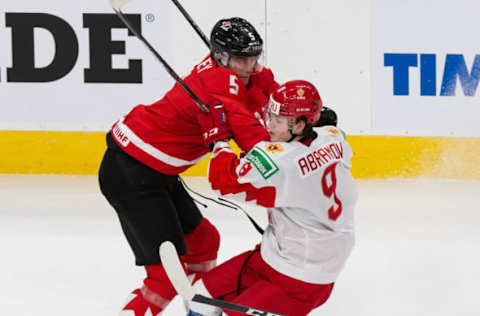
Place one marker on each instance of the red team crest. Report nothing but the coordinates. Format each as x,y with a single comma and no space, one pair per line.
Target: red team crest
226,25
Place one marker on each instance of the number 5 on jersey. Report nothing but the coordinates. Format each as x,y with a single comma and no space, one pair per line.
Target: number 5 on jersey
234,85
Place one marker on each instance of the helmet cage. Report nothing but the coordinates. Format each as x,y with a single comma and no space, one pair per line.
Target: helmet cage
279,109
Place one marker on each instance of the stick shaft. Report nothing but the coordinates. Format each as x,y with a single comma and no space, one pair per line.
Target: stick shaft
169,69
232,306
178,278
192,23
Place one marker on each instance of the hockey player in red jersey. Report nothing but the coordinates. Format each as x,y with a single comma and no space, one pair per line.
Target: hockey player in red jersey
303,177
152,144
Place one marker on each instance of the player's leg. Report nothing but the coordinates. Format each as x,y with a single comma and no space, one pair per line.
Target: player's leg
141,198
201,236
197,231
279,293
142,201
222,283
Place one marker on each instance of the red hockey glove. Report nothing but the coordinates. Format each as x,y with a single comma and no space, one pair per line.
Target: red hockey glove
327,117
219,128
263,79
256,100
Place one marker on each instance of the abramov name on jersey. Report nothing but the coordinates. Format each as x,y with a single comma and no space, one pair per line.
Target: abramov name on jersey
319,157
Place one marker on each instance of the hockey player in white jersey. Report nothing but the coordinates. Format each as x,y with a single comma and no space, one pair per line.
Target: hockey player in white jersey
303,177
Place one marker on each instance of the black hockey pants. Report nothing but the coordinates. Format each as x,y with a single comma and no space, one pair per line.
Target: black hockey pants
152,207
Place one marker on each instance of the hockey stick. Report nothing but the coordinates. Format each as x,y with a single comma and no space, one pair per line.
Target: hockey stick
225,203
179,280
192,23
116,5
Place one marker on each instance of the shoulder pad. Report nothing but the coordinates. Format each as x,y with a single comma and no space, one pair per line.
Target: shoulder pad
330,130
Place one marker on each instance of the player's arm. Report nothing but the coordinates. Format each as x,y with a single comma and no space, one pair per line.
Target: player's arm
261,85
263,80
247,130
228,174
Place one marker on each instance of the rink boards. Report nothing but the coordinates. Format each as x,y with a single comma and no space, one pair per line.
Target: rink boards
33,152
418,97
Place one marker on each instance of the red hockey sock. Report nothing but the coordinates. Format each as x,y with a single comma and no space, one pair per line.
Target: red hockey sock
157,291
202,247
137,303
155,294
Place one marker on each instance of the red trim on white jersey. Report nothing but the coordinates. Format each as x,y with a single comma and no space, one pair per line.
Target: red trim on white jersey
311,229
223,177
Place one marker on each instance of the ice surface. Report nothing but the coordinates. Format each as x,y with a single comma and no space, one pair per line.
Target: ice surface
417,250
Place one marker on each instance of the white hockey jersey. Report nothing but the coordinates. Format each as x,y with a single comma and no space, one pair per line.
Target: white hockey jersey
310,194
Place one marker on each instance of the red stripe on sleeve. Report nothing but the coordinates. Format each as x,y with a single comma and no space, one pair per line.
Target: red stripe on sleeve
224,178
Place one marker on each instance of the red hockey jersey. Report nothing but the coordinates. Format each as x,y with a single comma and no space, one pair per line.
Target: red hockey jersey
167,135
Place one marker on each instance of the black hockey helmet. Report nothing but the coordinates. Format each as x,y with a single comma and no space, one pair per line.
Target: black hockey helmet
234,37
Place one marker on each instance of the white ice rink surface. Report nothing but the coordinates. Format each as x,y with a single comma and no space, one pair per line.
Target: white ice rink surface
417,250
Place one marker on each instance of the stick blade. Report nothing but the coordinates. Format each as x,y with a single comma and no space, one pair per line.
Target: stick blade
175,271
117,4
